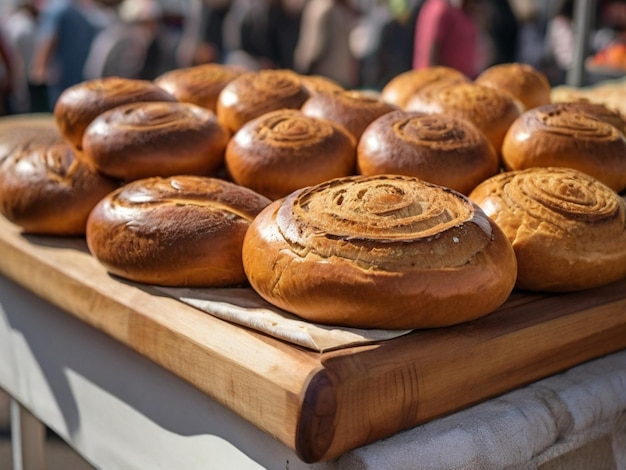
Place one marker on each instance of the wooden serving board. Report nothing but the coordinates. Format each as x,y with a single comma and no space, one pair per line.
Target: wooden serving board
322,405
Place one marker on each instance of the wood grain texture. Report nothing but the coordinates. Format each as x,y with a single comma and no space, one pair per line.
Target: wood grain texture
323,405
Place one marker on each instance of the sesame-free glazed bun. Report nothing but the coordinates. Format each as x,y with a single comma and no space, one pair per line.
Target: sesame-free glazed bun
561,136
379,252
158,138
403,86
255,93
285,150
44,188
437,148
352,109
179,231
199,84
80,104
491,110
527,84
568,229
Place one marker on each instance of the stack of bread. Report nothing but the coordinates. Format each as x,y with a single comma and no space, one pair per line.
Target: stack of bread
419,206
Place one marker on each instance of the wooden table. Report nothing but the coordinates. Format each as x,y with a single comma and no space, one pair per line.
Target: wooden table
295,405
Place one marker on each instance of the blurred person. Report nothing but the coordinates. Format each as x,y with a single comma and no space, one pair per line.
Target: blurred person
502,29
129,47
323,46
447,34
66,31
20,29
202,39
6,77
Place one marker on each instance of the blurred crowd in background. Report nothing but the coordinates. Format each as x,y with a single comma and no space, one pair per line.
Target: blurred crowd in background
49,45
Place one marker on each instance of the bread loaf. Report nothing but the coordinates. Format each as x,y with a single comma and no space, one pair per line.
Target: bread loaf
285,150
44,188
80,104
379,252
529,86
178,231
437,148
158,138
568,229
558,136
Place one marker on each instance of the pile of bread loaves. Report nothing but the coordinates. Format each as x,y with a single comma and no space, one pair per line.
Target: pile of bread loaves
423,205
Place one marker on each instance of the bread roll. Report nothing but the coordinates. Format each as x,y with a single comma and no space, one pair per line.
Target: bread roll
403,86
491,110
255,93
551,135
437,148
319,83
80,104
527,84
178,231
568,229
158,138
199,84
379,252
599,110
285,150
44,188
352,109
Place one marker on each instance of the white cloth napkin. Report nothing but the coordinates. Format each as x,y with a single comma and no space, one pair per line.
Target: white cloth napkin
245,307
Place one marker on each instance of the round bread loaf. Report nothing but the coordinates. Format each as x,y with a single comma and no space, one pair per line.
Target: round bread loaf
317,83
491,110
178,231
352,109
255,93
199,84
158,138
568,229
552,135
285,150
437,148
528,85
385,251
80,104
599,110
44,188
403,86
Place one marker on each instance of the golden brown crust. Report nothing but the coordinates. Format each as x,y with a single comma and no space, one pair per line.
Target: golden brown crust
140,140
199,84
255,93
527,84
491,110
437,148
552,135
352,109
285,150
403,86
44,188
379,252
80,104
568,230
179,231
599,110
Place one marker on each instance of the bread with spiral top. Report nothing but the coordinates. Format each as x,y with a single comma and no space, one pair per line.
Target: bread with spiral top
285,150
437,148
255,93
527,84
386,251
568,229
352,109
178,231
44,188
403,86
491,110
158,138
80,104
198,84
555,135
